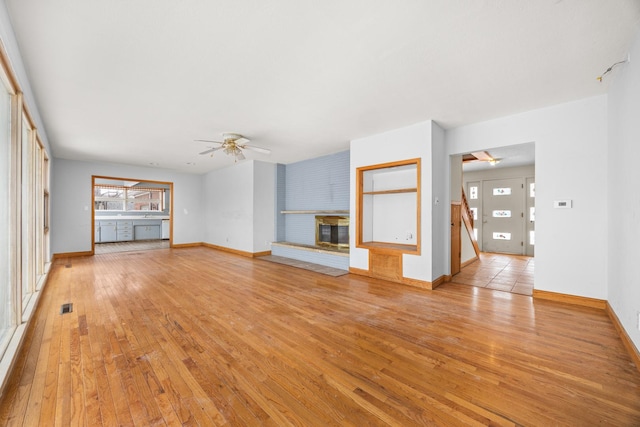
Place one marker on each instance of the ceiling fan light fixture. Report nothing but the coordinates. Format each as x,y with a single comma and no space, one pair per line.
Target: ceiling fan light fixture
233,144
494,162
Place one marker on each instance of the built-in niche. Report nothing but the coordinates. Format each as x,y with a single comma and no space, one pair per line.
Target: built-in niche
389,206
388,216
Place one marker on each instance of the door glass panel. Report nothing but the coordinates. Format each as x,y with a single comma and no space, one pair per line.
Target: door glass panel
532,189
532,239
475,213
532,213
473,193
475,233
501,236
502,214
504,191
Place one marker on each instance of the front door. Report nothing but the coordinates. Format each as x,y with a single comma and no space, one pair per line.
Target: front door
503,216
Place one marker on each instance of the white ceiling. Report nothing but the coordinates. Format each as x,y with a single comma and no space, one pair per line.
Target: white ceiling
508,157
136,82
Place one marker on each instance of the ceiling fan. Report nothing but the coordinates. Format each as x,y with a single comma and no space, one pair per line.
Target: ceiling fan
233,144
480,156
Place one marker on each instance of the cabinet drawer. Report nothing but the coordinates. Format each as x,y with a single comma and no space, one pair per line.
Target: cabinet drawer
107,223
125,236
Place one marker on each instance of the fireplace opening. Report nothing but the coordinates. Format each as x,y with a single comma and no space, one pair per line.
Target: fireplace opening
332,231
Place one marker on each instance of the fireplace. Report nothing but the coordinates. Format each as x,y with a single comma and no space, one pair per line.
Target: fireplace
332,231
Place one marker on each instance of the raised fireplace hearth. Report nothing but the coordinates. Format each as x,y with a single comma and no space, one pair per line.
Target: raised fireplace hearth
332,231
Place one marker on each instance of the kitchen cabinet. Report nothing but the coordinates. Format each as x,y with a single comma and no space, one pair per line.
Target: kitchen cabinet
127,229
124,231
147,232
108,231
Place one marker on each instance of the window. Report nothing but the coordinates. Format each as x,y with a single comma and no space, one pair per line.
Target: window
502,214
7,303
29,172
532,213
120,198
24,186
505,191
473,193
475,213
532,189
501,236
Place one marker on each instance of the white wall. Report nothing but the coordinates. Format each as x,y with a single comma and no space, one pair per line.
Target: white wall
239,206
71,201
228,207
400,144
499,173
571,163
11,47
624,197
441,207
264,199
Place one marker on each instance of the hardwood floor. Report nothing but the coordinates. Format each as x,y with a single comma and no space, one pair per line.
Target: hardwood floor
196,336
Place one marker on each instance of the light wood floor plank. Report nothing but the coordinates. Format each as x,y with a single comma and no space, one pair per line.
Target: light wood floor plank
195,336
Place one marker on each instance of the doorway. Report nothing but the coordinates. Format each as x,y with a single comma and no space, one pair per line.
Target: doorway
131,214
498,188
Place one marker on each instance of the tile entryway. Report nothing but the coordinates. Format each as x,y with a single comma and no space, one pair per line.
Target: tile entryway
509,273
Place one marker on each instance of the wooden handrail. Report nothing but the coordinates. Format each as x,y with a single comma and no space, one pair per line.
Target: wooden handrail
466,207
467,219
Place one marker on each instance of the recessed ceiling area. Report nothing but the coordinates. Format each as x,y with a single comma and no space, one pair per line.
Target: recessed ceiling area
505,157
136,82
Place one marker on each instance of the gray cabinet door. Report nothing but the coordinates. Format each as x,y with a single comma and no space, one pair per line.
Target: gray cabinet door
108,232
146,232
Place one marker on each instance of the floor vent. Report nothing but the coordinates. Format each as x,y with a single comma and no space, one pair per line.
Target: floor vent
67,266
66,308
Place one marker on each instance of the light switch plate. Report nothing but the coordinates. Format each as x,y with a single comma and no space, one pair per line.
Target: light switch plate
562,204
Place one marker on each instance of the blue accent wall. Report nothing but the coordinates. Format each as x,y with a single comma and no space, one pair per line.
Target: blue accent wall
281,187
321,183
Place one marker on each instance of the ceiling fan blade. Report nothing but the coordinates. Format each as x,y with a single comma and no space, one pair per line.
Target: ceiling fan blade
241,140
211,150
258,149
208,141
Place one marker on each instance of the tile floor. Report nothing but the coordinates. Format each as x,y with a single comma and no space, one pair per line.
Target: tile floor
510,273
